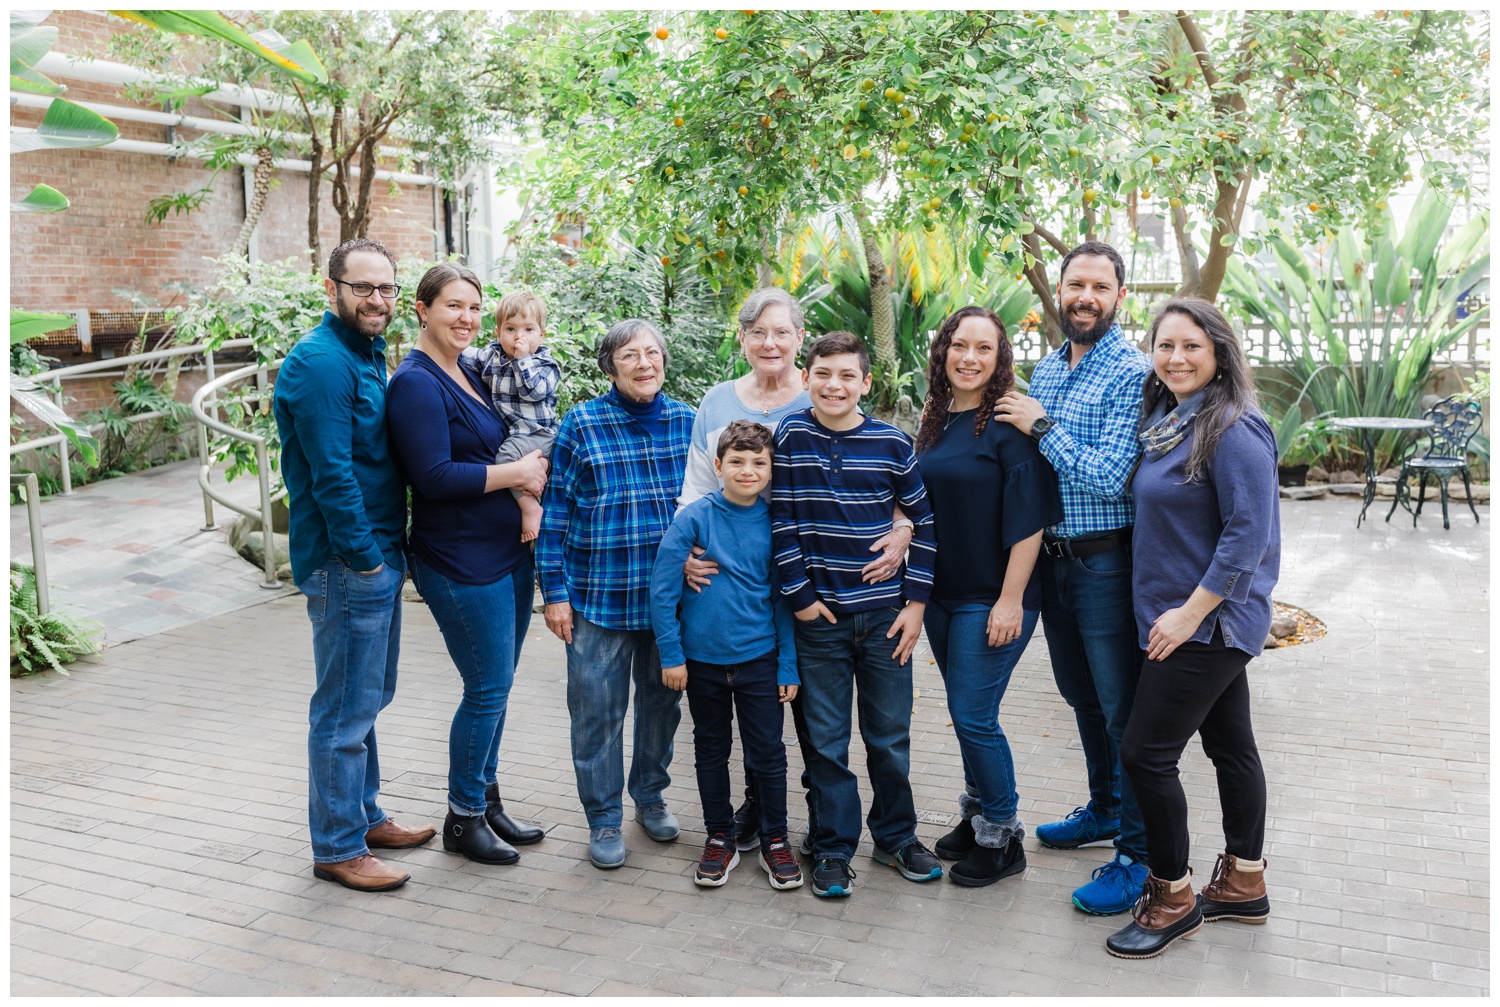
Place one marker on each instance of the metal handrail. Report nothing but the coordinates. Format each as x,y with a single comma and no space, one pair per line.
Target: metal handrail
38,548
207,397
56,377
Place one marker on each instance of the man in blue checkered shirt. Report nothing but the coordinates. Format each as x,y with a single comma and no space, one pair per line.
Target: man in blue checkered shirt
617,469
1083,410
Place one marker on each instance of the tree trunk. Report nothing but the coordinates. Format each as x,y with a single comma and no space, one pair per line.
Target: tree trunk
1037,277
882,315
1187,255
314,193
264,168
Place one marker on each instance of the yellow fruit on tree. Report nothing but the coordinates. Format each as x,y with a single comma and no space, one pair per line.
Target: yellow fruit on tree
890,93
721,34
1089,195
865,152
677,121
1174,202
744,191
902,146
991,117
670,170
867,84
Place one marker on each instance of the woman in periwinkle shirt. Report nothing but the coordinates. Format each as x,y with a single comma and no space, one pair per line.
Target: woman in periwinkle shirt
1207,554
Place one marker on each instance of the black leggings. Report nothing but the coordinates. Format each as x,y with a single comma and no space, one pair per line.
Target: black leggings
1199,687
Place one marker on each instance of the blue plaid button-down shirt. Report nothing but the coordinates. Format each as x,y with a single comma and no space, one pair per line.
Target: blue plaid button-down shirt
1094,408
610,497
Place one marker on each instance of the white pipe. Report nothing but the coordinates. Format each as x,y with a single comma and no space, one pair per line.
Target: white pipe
129,114
282,163
103,71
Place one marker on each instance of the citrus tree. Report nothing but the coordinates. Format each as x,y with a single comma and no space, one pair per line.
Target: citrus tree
712,134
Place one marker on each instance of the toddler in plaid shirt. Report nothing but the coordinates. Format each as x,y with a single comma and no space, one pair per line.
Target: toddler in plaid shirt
522,378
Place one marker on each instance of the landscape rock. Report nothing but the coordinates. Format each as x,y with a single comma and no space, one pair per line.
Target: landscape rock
1347,476
1271,643
1317,474
1304,492
1282,626
1391,474
1456,492
1347,489
245,538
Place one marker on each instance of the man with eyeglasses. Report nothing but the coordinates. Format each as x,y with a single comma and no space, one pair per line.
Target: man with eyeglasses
347,503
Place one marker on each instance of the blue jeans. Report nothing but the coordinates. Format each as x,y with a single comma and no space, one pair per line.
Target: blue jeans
356,626
601,664
832,658
714,693
484,626
975,676
1088,616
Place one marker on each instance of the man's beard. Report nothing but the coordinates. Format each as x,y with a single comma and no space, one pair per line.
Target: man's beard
1091,335
367,324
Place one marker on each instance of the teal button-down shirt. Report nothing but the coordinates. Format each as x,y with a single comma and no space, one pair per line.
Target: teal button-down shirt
345,495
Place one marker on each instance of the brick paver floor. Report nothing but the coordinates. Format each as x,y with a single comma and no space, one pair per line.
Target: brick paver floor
131,553
159,840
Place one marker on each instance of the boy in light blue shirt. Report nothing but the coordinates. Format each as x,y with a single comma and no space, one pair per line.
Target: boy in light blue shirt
731,647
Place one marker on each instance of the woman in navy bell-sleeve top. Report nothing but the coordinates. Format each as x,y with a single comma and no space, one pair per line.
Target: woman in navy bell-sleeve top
992,493
1207,553
467,559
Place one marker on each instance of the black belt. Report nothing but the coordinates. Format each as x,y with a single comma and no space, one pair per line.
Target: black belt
1075,548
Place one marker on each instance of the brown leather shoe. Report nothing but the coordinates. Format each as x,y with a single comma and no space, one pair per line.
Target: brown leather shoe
390,836
1165,911
1237,891
363,874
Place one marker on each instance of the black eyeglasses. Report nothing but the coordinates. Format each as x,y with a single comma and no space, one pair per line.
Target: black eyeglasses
387,290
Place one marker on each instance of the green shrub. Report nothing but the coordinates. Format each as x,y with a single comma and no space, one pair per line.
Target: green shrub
43,641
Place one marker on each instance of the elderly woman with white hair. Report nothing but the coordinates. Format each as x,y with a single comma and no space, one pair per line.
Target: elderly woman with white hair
617,467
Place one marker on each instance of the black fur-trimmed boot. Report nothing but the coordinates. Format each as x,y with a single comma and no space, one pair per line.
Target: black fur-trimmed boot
957,844
997,853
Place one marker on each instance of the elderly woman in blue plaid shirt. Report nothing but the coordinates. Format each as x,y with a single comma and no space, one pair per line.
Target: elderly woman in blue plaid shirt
617,468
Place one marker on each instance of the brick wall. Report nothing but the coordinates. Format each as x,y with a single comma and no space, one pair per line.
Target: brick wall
77,259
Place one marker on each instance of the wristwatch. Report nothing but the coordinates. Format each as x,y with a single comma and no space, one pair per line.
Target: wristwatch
1040,427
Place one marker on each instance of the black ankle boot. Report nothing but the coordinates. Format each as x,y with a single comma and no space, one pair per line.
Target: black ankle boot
957,844
507,828
985,865
472,836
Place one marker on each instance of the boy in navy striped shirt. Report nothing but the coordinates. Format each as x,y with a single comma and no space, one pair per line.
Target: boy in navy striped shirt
838,475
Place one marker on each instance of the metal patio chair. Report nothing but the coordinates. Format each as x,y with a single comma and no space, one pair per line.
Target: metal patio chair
1454,424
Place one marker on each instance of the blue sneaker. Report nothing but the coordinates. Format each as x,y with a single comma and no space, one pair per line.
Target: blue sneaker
659,823
606,847
1081,828
1114,888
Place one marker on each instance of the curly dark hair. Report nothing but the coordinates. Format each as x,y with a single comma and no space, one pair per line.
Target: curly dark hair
940,389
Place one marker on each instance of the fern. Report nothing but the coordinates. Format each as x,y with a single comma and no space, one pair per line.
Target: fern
40,641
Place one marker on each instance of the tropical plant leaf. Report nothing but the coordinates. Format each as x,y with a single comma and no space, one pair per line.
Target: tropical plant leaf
65,125
41,199
30,395
27,325
295,58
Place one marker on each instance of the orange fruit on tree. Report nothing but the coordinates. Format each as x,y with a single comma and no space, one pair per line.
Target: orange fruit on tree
677,121
666,260
721,34
744,191
719,254
765,120
662,34
1313,207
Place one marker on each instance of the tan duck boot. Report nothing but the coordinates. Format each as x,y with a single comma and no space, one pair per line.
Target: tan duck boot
1237,891
1165,911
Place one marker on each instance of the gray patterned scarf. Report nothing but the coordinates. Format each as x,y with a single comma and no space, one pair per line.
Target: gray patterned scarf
1165,430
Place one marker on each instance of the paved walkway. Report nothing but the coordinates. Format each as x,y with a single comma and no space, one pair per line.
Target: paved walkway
159,839
131,555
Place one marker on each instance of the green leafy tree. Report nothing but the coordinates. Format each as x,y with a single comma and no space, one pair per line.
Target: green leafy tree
711,135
